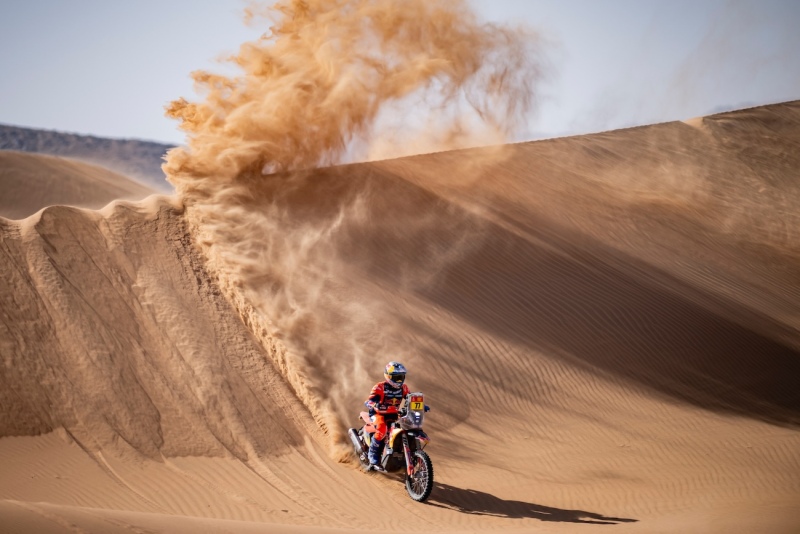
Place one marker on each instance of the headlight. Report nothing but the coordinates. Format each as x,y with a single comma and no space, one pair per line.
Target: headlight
411,421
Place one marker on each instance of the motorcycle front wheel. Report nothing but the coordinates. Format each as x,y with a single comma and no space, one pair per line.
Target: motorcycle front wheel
420,483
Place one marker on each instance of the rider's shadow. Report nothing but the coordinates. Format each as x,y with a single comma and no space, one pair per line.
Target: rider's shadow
469,501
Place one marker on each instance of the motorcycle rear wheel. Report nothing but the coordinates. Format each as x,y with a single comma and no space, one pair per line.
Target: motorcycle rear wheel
420,483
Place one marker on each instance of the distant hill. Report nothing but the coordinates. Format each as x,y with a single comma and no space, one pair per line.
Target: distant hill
136,159
30,182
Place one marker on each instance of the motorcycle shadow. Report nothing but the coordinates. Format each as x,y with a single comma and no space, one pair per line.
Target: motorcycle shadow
475,502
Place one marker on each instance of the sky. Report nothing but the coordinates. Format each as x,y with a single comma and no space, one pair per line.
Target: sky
108,68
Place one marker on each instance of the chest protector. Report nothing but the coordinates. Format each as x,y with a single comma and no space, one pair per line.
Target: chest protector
383,393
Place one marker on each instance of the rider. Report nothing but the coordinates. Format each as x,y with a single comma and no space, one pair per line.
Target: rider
383,402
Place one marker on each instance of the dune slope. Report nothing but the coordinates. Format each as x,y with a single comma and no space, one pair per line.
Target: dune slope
31,182
606,327
140,160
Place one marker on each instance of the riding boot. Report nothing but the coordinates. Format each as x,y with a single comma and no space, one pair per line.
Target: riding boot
375,449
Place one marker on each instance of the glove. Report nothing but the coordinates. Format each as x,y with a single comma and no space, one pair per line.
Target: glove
371,411
427,408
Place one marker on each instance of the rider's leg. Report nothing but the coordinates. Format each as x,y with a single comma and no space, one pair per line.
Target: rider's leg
375,449
378,439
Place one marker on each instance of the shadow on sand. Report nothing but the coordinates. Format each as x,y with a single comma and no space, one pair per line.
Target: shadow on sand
469,501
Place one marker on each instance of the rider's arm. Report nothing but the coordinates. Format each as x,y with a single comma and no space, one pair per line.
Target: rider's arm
375,397
370,406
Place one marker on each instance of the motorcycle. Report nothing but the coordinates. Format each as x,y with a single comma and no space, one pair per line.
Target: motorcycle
404,445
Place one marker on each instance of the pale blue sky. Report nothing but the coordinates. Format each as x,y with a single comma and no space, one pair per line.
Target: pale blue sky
107,68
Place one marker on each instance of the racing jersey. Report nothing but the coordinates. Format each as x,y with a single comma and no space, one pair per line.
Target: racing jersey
383,395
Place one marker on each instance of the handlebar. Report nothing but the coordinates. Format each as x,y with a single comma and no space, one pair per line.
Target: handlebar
393,410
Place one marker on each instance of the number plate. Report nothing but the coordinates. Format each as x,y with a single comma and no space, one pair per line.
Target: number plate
417,404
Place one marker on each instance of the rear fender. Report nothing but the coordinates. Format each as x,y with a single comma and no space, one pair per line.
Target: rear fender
368,426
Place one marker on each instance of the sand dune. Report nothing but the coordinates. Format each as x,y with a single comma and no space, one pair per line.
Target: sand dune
607,328
141,160
31,182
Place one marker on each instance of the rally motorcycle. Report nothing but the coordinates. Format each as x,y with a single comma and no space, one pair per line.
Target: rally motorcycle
404,445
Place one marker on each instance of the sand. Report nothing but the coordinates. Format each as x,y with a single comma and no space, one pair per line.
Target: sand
31,182
139,160
607,329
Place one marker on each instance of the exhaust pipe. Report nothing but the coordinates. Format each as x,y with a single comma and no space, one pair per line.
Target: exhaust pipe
358,445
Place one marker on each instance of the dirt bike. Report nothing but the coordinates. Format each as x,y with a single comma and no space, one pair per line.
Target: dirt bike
404,445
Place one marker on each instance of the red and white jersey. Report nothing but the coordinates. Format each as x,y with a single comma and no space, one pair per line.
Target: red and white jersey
384,395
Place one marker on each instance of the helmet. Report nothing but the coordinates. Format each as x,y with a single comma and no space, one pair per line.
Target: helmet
395,373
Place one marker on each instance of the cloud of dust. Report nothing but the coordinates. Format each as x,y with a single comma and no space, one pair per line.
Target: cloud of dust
335,81
312,88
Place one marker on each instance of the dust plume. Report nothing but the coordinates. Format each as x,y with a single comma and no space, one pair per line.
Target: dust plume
335,81
312,88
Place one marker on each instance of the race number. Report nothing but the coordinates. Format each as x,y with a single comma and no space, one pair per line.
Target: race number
417,404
